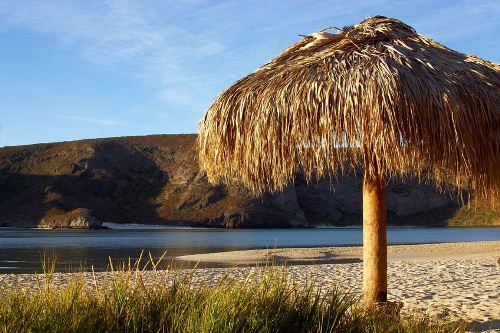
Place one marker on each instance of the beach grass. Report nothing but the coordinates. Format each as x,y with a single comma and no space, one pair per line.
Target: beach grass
266,301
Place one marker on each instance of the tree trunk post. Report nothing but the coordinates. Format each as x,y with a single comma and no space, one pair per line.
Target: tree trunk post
374,241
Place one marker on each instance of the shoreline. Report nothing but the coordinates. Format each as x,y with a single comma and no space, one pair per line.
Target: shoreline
448,280
331,254
153,227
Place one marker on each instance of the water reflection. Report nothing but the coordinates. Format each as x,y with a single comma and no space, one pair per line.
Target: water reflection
21,250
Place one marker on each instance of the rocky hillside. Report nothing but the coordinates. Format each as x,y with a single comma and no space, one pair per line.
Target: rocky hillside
155,179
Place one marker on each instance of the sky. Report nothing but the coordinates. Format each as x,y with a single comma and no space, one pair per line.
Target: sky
85,69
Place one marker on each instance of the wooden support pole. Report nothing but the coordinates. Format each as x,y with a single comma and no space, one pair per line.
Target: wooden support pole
374,241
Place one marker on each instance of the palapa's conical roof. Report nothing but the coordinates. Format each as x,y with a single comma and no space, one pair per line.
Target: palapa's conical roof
376,94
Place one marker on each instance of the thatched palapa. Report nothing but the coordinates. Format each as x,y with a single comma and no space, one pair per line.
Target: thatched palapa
376,94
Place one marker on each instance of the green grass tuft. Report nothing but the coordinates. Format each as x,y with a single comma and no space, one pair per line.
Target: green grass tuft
264,302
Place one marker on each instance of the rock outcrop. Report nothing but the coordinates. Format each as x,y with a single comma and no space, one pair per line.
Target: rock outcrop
155,179
79,218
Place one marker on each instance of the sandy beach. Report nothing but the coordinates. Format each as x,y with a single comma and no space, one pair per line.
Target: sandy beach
456,280
452,280
351,254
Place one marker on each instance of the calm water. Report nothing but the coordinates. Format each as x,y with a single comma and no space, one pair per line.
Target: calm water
21,249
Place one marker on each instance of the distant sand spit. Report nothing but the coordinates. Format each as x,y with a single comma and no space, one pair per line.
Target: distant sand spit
340,254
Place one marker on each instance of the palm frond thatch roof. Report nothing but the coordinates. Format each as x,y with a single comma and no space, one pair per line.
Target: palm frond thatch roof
376,94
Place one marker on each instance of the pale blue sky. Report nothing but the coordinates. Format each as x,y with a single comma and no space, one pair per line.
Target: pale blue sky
85,69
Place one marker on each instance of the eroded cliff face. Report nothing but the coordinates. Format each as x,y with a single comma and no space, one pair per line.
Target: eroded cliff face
155,179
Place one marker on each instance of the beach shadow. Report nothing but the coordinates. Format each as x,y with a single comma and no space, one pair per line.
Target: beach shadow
480,326
327,261
272,261
327,257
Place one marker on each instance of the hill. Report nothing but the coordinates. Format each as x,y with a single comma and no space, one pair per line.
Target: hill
155,179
